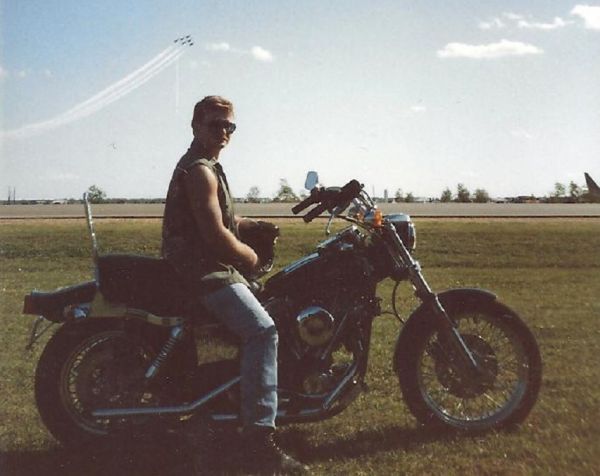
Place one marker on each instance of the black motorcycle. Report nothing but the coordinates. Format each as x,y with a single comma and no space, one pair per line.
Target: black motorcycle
134,349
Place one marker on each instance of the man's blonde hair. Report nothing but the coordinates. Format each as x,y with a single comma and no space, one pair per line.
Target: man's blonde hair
210,103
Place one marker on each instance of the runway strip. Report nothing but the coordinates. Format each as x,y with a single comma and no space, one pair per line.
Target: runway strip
282,210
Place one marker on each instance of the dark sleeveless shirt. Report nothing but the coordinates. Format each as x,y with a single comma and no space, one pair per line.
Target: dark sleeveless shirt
182,243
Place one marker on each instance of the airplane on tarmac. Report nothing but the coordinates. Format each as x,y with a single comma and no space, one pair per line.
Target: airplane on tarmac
592,186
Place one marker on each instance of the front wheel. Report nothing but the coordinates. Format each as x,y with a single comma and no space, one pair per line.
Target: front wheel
440,391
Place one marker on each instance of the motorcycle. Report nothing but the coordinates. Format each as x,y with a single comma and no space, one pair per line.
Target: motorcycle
134,349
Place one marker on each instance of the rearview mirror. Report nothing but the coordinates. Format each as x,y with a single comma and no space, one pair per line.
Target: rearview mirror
312,179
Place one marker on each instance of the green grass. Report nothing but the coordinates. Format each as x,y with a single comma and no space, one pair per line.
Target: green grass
548,270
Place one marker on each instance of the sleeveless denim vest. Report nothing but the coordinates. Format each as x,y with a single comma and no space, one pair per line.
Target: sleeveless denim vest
182,243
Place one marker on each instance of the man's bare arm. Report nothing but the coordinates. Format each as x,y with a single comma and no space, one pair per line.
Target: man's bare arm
201,189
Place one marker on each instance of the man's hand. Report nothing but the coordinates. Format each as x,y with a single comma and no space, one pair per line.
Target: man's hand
253,264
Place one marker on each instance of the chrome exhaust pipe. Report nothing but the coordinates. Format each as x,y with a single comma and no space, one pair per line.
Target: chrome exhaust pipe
172,410
347,382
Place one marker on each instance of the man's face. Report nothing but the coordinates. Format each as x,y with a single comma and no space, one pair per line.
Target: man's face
215,130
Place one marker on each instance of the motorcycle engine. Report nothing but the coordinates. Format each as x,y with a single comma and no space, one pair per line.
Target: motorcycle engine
303,327
315,325
304,332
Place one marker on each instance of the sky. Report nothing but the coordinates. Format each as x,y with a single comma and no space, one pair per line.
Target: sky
411,95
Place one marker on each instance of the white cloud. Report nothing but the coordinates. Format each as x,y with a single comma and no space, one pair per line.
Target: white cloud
3,73
520,21
47,73
513,16
490,51
556,23
257,52
589,14
418,109
495,23
218,46
22,74
261,54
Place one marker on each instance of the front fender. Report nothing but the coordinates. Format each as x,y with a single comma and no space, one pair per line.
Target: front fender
449,298
463,295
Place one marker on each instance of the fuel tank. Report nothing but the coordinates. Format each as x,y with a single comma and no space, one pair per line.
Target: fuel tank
337,263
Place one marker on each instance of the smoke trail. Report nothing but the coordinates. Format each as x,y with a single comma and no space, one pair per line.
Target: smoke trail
103,98
122,82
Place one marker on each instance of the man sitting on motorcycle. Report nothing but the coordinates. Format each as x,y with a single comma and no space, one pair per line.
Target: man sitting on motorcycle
201,241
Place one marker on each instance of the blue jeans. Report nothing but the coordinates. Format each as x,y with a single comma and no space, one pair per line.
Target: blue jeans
237,308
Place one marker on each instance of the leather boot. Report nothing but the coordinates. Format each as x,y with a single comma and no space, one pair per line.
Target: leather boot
263,456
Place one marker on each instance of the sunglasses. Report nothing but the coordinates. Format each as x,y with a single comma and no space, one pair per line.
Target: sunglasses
219,124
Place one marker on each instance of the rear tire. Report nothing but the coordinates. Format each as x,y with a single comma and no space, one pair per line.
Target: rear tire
438,394
85,366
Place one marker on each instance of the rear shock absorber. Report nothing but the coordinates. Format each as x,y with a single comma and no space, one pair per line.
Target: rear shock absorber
176,336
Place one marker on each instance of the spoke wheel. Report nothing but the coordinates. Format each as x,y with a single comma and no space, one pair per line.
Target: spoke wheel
439,389
87,368
106,371
454,380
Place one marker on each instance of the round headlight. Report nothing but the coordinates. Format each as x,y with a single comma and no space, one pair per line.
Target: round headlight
405,229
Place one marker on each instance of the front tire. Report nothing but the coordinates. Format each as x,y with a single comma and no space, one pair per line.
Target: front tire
438,393
88,366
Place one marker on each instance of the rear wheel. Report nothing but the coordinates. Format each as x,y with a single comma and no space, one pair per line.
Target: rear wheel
89,366
439,390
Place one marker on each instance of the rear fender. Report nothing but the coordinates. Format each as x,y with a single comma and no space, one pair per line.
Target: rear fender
52,305
448,299
102,308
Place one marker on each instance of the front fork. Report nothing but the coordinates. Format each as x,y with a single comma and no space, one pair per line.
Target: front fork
429,298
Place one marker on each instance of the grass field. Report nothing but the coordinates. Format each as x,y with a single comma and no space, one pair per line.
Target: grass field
548,270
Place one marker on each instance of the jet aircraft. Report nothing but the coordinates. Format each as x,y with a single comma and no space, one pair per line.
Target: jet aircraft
185,40
592,186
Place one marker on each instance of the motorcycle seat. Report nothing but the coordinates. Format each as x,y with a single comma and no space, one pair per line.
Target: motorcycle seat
143,282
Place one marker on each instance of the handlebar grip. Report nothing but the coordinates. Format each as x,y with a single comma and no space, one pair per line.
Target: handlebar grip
351,190
315,212
304,203
301,206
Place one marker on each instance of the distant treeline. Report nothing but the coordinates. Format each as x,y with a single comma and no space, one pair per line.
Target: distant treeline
75,201
571,193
